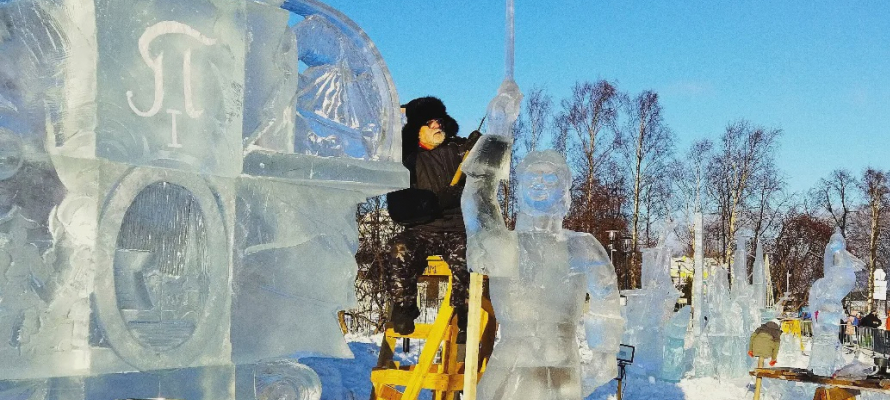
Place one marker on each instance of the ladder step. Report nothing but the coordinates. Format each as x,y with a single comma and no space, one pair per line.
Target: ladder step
421,331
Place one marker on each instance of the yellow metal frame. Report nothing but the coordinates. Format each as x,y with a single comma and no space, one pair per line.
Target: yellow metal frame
446,377
792,326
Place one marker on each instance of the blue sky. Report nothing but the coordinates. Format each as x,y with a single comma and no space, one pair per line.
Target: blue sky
819,70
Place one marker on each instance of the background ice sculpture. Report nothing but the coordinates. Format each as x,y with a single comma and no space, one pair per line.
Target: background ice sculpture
744,293
675,364
161,218
826,295
538,276
731,317
725,330
650,308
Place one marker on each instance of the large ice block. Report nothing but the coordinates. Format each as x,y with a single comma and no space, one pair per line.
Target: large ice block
539,274
158,224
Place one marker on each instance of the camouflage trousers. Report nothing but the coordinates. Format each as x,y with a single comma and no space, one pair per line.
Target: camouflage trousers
408,253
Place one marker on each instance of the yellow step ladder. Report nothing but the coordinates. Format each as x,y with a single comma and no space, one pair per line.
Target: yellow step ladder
445,377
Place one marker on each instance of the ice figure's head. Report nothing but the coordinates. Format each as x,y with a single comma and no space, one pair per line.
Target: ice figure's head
836,254
544,181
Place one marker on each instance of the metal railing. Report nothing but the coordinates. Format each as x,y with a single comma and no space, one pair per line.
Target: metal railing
875,340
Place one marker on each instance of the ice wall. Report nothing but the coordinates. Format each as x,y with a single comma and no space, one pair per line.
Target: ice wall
726,329
675,365
166,234
826,296
650,309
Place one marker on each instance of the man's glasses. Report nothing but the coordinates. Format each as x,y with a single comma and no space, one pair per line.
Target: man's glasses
434,123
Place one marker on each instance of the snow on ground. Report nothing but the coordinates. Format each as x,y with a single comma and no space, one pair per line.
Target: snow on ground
638,388
350,379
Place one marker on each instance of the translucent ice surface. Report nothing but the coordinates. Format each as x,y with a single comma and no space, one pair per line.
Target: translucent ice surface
826,296
650,308
539,274
674,365
731,313
162,217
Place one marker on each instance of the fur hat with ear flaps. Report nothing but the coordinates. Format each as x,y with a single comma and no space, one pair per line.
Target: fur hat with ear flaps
418,112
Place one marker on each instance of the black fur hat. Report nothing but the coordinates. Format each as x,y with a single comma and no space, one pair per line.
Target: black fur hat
418,112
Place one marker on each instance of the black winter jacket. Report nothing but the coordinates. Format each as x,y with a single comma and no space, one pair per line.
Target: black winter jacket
871,321
431,203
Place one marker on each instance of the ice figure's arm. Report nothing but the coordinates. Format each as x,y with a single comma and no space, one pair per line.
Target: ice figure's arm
485,166
603,324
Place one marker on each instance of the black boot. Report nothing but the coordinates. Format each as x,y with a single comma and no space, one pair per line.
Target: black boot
462,319
403,318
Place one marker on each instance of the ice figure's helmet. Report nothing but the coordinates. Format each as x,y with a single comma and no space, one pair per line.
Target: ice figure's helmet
544,182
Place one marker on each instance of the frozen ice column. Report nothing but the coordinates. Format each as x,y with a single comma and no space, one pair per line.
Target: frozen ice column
826,295
539,274
698,282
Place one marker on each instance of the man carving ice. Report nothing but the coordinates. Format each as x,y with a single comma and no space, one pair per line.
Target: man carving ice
538,275
429,210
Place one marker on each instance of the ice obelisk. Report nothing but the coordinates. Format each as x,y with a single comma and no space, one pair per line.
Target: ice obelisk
759,279
698,280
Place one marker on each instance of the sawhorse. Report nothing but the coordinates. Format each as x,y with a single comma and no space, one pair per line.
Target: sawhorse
446,377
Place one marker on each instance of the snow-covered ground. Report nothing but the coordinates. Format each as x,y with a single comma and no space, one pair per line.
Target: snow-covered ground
349,379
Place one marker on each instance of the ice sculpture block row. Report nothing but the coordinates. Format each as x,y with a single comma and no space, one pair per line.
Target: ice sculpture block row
164,202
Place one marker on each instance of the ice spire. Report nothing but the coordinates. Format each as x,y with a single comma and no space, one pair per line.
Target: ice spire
509,42
759,279
698,280
503,110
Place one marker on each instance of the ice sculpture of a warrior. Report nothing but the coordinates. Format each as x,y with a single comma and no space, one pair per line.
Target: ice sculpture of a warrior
538,275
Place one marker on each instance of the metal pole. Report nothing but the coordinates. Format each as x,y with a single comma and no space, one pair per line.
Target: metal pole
621,375
626,270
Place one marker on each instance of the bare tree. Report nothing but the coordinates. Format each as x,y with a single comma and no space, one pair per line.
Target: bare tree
534,121
587,124
836,195
688,177
536,118
797,252
746,155
375,229
874,186
646,146
769,200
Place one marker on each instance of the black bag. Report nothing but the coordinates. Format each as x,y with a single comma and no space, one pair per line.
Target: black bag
412,206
